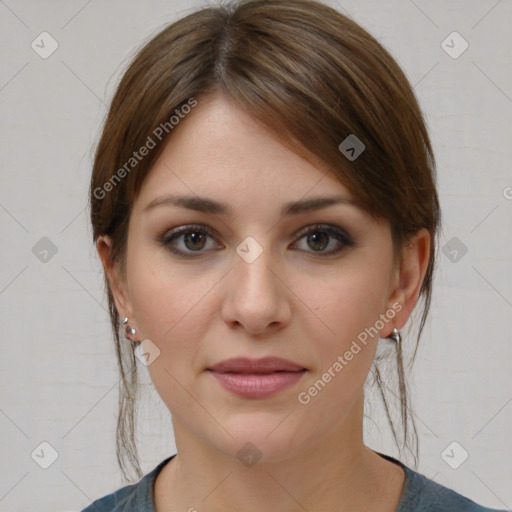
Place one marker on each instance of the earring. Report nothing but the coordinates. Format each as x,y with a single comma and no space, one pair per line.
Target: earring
397,338
129,330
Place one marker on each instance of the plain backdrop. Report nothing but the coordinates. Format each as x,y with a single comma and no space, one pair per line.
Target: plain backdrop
58,371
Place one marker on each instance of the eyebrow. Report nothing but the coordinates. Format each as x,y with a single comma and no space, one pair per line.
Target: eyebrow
206,205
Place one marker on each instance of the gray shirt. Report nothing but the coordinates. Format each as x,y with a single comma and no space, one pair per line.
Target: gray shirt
420,494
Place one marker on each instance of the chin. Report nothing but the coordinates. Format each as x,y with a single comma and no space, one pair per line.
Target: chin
261,439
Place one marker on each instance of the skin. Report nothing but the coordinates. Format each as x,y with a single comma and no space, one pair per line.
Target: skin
290,302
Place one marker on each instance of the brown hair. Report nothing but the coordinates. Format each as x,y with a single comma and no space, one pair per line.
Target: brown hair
313,77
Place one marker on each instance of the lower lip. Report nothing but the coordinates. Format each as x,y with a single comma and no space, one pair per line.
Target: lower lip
257,386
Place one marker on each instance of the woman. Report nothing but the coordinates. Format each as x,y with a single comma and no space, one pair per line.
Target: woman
263,201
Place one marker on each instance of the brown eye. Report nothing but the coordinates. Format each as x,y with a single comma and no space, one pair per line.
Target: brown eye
187,240
319,237
318,241
191,241
194,240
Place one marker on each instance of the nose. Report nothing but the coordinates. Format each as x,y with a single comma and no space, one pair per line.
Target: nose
257,298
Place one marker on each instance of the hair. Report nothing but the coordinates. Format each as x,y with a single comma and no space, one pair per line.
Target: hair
312,77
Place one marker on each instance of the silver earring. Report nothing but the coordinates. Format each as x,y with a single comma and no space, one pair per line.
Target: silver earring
128,329
397,338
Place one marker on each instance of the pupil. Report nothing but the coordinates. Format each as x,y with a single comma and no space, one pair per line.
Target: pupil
195,237
317,238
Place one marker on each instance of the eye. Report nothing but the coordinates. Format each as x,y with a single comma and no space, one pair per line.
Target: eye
193,239
187,240
318,237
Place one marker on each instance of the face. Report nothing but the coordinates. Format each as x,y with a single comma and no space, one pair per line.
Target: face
252,282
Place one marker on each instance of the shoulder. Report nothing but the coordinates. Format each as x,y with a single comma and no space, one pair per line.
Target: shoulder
124,499
422,494
136,497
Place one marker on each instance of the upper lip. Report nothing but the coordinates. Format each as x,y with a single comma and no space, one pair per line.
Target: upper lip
263,365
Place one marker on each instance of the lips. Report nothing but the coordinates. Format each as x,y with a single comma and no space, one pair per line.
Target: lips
257,378
264,365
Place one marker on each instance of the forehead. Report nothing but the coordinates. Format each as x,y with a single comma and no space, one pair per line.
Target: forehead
220,151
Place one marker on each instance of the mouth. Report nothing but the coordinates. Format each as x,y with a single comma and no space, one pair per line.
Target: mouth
256,379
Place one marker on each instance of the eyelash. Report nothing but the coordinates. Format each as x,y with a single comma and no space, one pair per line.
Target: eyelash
339,234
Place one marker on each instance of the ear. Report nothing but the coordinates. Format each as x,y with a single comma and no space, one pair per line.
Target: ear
408,280
116,281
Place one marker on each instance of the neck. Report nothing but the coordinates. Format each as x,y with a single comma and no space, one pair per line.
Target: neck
337,472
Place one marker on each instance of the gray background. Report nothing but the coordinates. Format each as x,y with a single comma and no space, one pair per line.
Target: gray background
58,376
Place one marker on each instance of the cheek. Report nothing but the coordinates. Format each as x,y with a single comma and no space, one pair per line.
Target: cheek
164,296
344,328
350,303
173,308
172,312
